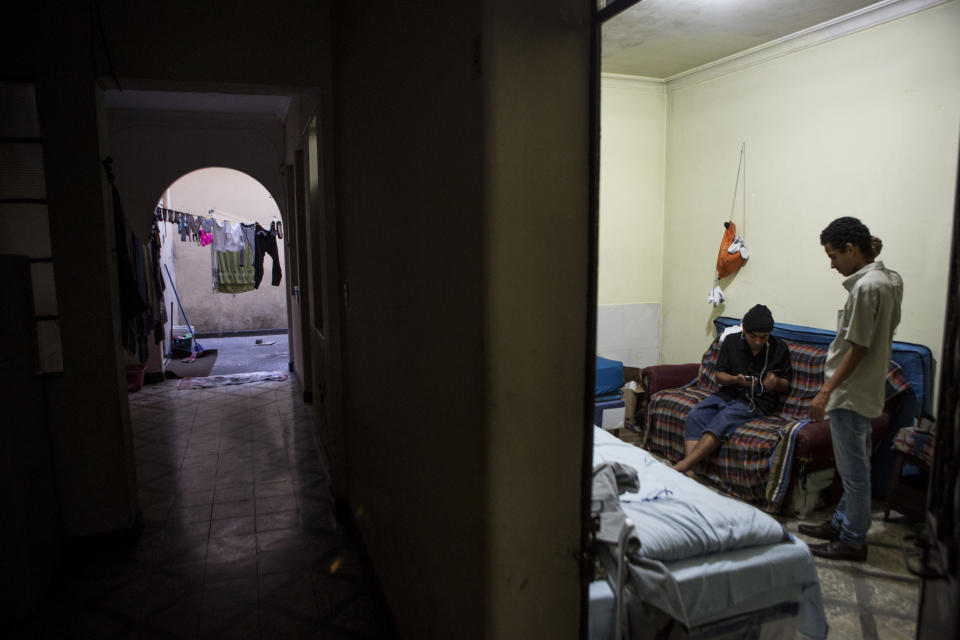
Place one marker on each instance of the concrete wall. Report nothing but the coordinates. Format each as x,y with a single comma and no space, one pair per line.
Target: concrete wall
460,312
536,80
86,406
245,199
412,228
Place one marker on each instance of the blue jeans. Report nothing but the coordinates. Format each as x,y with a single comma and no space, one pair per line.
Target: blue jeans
718,416
850,432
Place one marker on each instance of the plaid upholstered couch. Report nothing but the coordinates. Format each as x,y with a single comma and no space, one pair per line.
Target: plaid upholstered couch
760,460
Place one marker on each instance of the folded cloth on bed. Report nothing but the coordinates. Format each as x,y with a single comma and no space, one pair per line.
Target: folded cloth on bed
677,517
610,479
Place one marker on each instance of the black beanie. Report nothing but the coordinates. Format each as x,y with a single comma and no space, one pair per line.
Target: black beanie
758,319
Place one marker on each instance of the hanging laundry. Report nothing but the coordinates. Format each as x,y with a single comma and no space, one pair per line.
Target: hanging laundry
132,304
249,232
193,223
157,286
266,242
230,276
226,236
205,238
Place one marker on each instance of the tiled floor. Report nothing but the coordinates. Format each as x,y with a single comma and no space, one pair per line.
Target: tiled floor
239,538
876,599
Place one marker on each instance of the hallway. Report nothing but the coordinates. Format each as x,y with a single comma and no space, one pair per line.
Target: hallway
239,538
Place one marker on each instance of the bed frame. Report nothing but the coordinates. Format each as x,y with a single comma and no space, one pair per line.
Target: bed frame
617,611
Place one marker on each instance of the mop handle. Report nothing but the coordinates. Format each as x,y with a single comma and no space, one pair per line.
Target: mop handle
177,295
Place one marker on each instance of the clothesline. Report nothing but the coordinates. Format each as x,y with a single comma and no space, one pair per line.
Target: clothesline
235,217
189,223
222,215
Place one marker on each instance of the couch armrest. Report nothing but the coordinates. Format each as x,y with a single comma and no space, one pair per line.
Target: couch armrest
667,376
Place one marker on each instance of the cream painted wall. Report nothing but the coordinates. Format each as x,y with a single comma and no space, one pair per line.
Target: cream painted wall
632,136
865,125
630,265
236,193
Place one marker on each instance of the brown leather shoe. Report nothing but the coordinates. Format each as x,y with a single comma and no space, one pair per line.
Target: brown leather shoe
839,550
825,531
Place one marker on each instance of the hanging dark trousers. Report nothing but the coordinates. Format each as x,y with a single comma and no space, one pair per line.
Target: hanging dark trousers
266,242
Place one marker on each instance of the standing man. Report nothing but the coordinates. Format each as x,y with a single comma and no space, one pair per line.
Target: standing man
753,370
855,381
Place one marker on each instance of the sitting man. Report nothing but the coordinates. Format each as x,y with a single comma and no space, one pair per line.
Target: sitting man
753,369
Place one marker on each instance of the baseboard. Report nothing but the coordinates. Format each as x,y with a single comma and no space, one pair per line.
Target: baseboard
345,518
241,333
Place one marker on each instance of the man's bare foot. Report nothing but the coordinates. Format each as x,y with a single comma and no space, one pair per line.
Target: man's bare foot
684,468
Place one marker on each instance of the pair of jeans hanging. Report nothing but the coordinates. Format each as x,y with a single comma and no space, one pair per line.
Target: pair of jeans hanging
265,243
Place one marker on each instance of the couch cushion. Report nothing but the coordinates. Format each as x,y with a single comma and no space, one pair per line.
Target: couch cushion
707,379
807,361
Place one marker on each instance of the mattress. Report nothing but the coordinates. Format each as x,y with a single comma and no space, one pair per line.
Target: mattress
717,586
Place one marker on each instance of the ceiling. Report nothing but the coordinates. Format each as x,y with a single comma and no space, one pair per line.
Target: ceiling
662,38
203,102
654,38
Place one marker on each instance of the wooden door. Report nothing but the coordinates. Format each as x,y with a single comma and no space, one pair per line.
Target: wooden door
939,611
325,302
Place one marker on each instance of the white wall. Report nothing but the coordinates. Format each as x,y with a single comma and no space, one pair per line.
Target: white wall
629,272
865,125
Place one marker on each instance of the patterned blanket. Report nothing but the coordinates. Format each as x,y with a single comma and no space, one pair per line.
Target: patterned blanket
754,463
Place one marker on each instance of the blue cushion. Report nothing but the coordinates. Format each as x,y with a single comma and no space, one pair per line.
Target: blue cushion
609,376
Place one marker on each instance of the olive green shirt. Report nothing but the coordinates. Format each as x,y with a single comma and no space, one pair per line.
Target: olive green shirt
869,318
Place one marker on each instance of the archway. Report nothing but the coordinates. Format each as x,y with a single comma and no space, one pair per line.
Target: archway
234,304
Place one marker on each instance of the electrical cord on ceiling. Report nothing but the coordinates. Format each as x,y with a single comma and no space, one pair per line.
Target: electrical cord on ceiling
103,41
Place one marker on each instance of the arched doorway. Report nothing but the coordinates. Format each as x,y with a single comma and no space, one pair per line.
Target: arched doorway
231,316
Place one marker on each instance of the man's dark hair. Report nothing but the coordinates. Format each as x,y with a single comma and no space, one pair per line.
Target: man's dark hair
847,229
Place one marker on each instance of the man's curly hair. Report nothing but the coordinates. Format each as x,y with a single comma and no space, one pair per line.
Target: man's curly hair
847,229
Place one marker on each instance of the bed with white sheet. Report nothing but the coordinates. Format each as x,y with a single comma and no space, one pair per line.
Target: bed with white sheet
699,564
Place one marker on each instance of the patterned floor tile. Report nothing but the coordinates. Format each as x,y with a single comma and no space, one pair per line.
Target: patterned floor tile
239,537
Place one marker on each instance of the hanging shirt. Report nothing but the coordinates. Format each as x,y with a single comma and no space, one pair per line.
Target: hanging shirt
869,318
227,236
248,233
